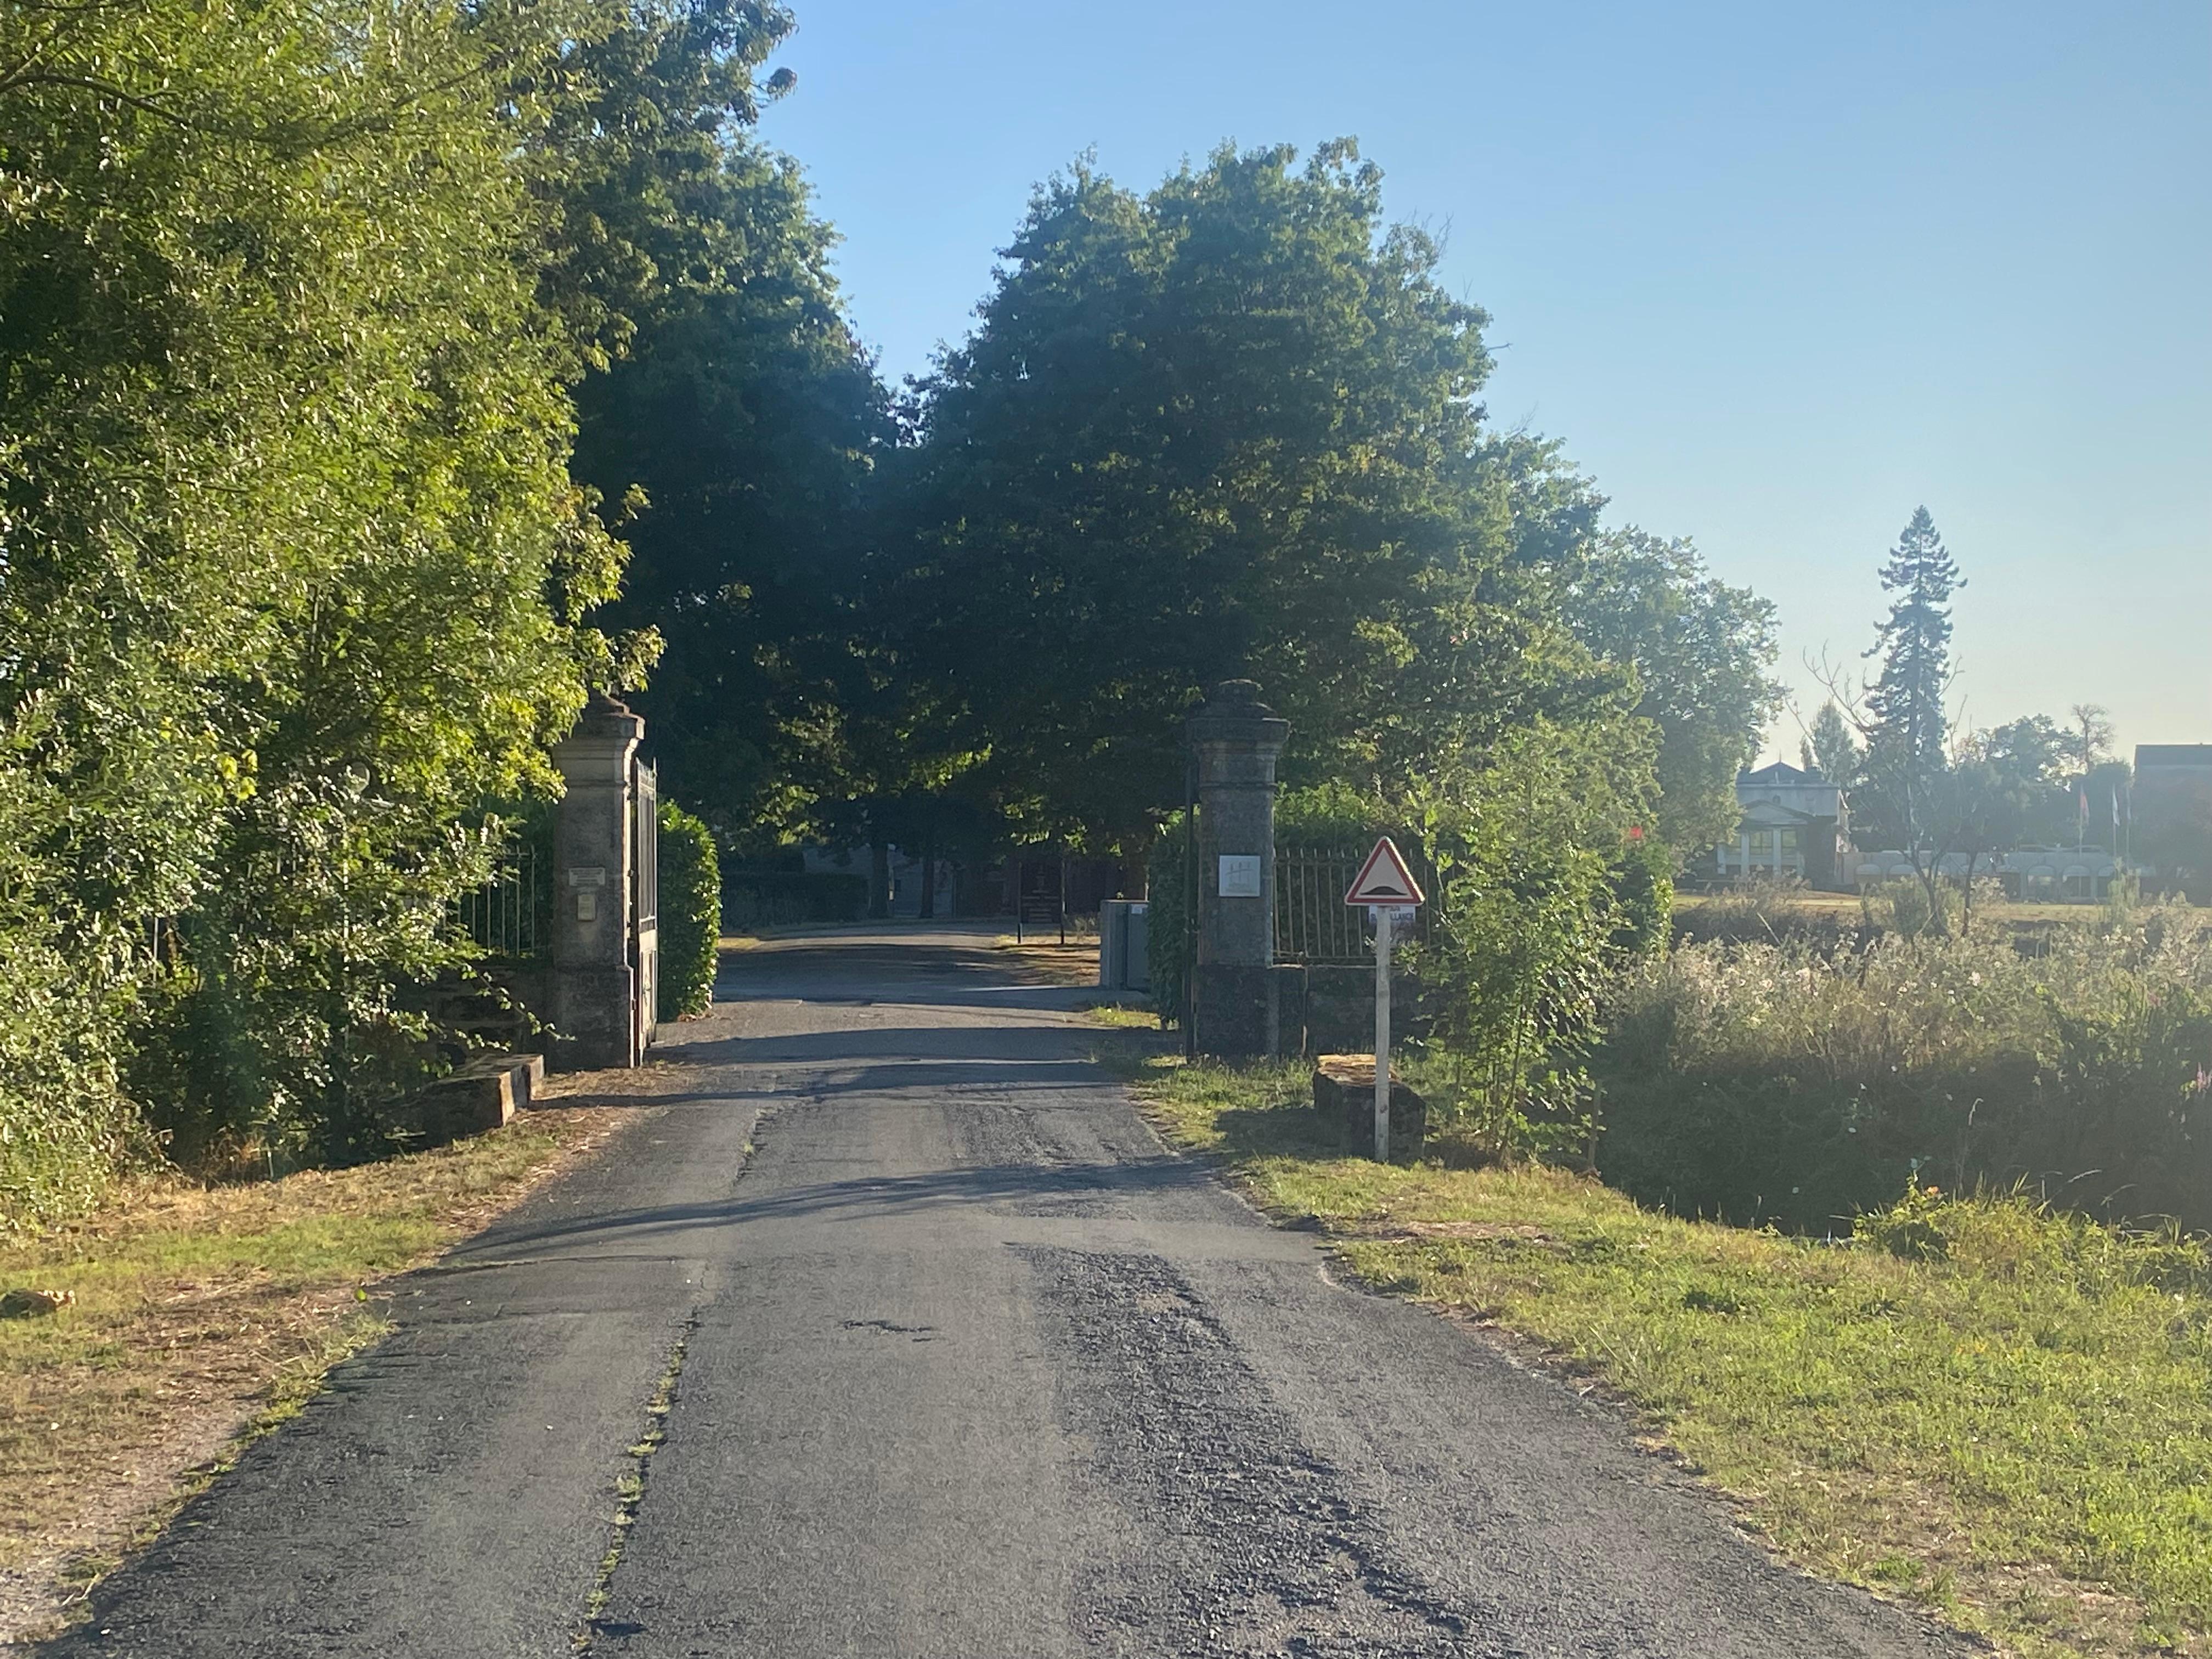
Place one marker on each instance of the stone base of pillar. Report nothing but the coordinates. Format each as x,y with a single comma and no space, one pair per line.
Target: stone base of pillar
1249,1013
592,1018
1339,1008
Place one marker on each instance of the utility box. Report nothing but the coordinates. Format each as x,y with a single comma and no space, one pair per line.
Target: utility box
1123,945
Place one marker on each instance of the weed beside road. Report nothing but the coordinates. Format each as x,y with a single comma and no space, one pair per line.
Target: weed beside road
2002,1414
199,1311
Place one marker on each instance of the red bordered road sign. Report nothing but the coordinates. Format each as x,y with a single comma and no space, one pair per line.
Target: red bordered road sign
1384,878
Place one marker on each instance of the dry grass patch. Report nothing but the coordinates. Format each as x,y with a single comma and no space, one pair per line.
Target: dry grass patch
2003,1415
1075,962
198,1311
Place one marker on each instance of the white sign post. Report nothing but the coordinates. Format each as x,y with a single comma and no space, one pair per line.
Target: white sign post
1389,890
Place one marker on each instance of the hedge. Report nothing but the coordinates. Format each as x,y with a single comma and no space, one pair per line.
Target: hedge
691,912
752,900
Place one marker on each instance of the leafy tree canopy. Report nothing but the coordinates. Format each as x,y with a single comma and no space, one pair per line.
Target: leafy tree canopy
1226,428
293,574
735,437
1702,651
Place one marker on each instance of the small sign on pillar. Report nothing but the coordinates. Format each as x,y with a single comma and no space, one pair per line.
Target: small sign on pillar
1386,888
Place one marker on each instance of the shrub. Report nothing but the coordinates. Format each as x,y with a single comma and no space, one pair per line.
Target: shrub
691,912
791,898
1166,917
66,1126
1801,1084
1543,895
1643,898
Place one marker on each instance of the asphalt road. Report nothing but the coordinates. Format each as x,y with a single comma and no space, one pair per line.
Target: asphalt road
965,1366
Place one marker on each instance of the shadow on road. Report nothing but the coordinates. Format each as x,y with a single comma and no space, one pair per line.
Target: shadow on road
882,1195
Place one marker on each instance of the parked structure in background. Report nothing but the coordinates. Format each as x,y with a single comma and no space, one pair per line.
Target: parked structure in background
1034,881
2038,875
1124,945
1797,826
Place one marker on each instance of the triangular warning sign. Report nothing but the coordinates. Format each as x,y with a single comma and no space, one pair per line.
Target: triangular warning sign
1384,878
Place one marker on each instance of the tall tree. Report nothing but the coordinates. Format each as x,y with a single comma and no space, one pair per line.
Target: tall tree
1902,721
291,571
1834,746
1226,428
729,420
2089,731
734,437
1905,700
1702,652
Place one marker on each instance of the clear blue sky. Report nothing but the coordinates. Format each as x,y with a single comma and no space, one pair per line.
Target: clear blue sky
1776,274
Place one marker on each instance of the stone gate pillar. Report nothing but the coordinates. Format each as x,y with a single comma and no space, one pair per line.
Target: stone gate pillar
595,988
1237,740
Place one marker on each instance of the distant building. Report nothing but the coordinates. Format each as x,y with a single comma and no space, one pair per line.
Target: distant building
1797,826
2172,784
2170,815
2041,875
2181,771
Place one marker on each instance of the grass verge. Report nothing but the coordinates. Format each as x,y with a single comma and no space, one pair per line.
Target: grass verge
2003,1415
201,1312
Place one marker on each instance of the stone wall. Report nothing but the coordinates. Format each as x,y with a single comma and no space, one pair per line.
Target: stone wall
1329,1008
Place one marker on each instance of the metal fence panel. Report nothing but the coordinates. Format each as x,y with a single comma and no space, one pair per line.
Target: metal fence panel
1313,924
503,915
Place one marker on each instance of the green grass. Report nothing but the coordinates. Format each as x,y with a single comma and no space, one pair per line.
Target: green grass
2003,1415
1123,1018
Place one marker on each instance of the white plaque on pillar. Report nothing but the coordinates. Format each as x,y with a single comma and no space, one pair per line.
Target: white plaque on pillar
1240,875
588,875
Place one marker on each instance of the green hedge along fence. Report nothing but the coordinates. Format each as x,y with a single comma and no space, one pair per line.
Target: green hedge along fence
691,912
791,898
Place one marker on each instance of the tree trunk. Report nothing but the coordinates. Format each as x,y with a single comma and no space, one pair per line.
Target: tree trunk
879,879
929,909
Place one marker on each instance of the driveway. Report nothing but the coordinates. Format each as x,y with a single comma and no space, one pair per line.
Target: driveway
958,1362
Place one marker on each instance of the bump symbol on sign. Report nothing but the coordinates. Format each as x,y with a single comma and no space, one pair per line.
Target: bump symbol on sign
1384,878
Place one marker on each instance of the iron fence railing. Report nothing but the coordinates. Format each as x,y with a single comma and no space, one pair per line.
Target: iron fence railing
646,840
1313,924
506,916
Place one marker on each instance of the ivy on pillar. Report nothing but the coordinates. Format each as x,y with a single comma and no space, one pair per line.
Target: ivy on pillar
1237,1002
595,986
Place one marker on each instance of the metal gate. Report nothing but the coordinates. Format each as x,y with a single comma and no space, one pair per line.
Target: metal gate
1313,924
645,898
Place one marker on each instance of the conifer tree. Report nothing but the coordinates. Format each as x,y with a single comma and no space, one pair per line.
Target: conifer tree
1833,747
1907,698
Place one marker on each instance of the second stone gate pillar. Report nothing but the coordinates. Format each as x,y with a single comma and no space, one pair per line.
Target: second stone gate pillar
595,982
1236,997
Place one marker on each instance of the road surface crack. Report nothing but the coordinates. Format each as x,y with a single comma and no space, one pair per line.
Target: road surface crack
629,1494
1247,1542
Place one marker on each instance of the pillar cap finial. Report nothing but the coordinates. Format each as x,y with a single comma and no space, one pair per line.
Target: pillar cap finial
609,718
1233,713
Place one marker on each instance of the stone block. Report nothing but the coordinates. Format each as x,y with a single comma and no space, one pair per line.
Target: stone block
482,1095
1343,1100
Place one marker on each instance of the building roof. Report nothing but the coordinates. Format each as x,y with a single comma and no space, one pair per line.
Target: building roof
1767,814
1779,772
2150,756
